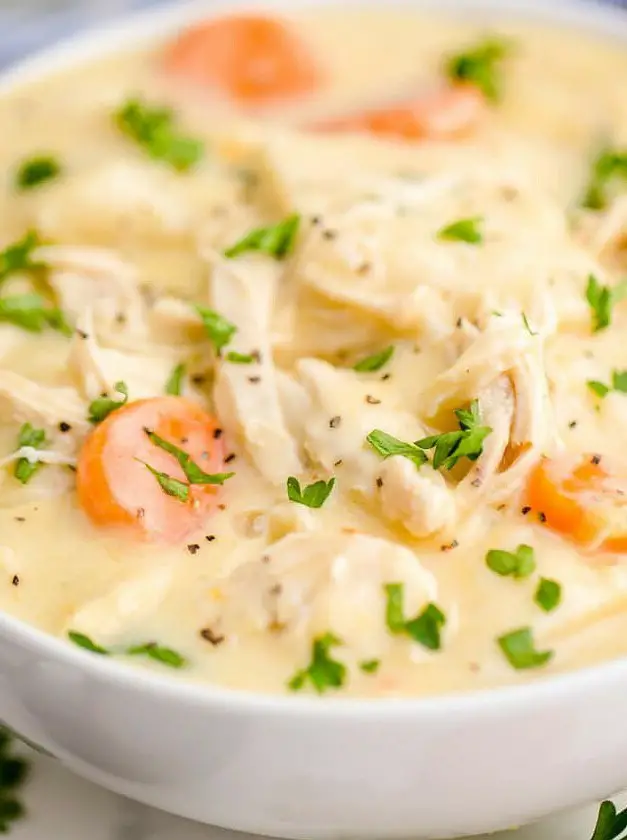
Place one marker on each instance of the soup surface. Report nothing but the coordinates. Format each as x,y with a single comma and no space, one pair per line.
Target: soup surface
313,372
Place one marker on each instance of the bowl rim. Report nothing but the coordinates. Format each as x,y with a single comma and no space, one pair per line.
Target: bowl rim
148,26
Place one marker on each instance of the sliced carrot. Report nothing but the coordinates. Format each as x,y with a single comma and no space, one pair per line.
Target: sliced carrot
250,58
447,113
116,489
583,502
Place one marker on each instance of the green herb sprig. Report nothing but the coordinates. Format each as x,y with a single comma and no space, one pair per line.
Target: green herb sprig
480,66
154,130
102,407
276,241
36,438
13,773
323,672
425,628
313,495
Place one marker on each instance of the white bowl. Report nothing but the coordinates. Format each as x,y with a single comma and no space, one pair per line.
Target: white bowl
305,767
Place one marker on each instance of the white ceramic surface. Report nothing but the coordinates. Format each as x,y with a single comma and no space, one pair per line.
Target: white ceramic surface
308,767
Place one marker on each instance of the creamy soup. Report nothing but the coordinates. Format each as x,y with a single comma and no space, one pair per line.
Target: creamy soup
313,369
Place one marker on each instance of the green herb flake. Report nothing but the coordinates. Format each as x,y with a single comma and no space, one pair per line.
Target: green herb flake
387,446
36,438
370,666
174,384
164,655
171,486
240,358
19,255
313,496
373,363
526,324
425,628
598,388
450,447
548,594
219,330
193,473
102,407
37,170
610,824
518,648
480,66
323,672
464,230
602,300
518,564
608,168
30,312
13,773
618,384
276,241
153,129
84,641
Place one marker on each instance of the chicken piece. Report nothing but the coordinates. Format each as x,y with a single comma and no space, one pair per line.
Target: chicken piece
25,400
307,584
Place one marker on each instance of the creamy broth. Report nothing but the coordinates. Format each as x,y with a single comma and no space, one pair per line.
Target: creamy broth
133,244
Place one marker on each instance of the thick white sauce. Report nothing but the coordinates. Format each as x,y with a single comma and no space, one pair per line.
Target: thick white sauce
522,170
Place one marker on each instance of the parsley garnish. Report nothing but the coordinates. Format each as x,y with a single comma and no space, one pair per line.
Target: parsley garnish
28,436
519,650
164,655
219,330
29,311
609,166
102,407
386,446
526,324
610,824
450,447
517,564
370,666
464,230
480,66
277,240
240,358
171,486
193,472
602,300
84,641
375,362
548,594
174,385
18,256
323,672
154,130
424,629
313,496
13,773
36,171
619,383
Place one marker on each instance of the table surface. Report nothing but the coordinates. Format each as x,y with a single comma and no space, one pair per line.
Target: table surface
59,805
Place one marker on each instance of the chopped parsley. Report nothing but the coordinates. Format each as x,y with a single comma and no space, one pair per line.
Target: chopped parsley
240,358
450,447
602,300
518,564
370,666
375,362
609,166
618,383
519,650
386,446
313,496
13,773
19,255
480,66
164,655
153,129
464,230
425,628
219,330
103,406
84,641
170,486
323,672
277,240
174,384
29,311
36,438
193,473
37,170
548,594
610,824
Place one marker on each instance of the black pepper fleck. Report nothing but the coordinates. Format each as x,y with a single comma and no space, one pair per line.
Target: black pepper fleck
199,378
193,548
449,546
217,434
596,460
329,234
210,537
459,323
265,558
526,510
231,457
15,581
20,519
385,377
254,379
542,517
334,422
120,318
221,507
316,220
379,481
338,463
476,482
210,636
372,400
83,335
140,513
572,424
64,427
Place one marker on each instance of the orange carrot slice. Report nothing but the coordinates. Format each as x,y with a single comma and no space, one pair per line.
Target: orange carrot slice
447,113
250,58
583,502
116,489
